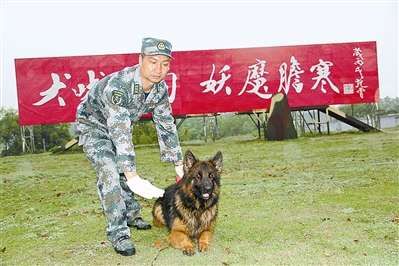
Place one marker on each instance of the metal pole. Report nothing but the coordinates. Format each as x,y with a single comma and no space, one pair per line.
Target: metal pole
264,127
318,121
22,129
314,120
32,139
328,127
205,136
216,127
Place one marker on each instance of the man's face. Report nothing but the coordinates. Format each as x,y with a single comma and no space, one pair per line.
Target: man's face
154,67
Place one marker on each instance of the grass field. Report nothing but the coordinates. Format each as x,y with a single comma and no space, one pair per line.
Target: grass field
328,200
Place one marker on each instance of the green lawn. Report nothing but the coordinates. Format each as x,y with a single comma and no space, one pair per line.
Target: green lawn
315,200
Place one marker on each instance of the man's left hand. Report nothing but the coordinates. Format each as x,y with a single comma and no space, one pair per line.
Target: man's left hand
142,187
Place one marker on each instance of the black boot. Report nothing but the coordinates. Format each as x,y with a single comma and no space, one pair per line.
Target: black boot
139,223
124,246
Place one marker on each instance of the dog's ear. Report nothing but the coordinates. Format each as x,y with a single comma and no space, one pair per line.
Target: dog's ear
189,161
218,161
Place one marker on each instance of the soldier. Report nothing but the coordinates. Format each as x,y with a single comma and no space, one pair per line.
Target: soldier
104,129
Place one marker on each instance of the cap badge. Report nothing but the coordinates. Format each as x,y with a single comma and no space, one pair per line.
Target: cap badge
161,46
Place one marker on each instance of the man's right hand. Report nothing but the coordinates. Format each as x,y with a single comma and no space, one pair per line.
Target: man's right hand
179,171
142,187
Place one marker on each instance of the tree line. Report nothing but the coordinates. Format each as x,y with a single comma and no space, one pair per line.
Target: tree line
49,137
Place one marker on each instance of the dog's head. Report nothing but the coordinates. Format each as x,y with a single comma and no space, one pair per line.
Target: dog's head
203,176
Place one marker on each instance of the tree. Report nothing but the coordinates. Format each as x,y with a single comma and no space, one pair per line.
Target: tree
389,105
10,134
386,105
228,125
235,125
144,133
49,136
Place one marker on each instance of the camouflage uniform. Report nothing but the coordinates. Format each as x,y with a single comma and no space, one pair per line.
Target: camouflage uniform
104,129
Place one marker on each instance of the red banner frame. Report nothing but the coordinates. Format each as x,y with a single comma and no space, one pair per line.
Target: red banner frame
210,81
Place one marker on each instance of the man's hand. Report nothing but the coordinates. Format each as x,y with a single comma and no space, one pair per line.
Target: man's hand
179,170
142,187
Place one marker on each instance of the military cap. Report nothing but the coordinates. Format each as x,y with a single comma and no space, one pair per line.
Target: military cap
153,46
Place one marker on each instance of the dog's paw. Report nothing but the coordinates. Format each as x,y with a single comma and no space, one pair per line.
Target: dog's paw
203,246
189,251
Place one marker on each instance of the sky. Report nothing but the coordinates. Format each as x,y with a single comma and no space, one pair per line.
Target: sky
32,29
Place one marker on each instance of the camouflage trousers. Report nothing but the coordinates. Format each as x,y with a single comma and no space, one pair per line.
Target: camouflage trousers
118,202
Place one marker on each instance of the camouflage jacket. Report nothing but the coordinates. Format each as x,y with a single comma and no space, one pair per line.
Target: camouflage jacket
117,101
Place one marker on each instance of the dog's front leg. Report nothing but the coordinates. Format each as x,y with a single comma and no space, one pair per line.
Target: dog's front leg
204,240
179,238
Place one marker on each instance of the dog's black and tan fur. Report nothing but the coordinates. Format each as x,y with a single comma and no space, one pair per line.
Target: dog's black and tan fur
189,208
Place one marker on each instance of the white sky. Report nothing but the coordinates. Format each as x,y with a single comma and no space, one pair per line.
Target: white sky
66,28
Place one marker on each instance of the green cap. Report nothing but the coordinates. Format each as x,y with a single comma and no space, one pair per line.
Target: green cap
153,46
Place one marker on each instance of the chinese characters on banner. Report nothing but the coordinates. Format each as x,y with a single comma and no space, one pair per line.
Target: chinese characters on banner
209,81
359,62
57,85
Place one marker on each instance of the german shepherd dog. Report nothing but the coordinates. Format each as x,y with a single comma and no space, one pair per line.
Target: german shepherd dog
189,208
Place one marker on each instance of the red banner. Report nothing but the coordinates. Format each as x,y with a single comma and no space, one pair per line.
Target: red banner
209,81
